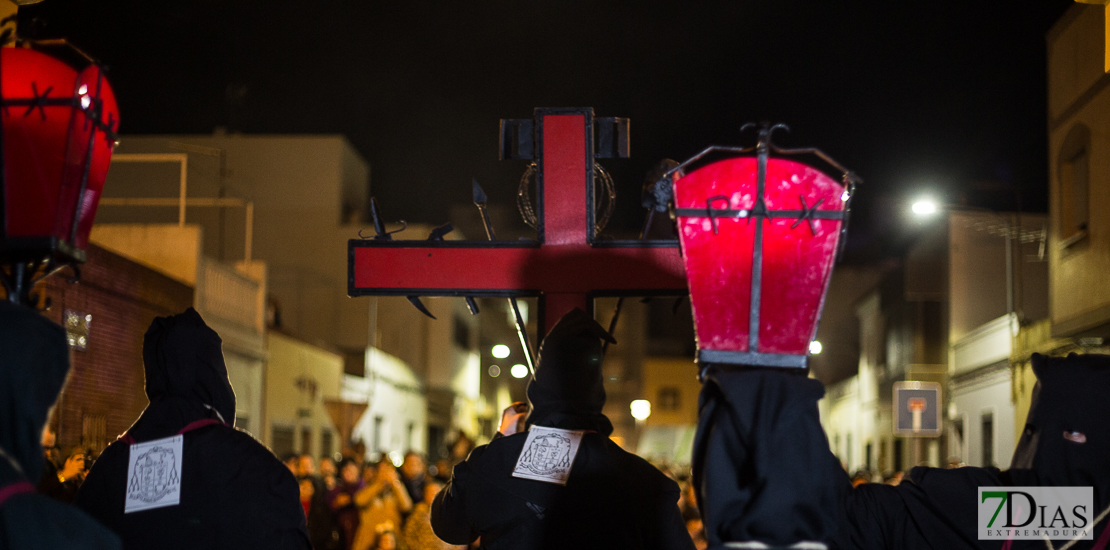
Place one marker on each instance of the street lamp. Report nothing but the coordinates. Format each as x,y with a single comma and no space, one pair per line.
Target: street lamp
1010,229
640,409
58,130
924,207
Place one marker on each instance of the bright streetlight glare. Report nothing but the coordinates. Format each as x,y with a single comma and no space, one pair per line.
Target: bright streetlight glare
815,348
924,207
500,351
641,409
519,371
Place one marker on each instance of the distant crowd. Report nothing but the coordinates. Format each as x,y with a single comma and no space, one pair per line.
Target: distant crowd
353,504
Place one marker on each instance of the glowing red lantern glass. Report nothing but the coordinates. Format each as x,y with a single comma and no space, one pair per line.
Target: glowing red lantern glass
759,238
59,129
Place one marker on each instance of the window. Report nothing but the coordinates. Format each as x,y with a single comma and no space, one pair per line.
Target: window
306,440
987,423
377,448
462,333
326,443
281,440
956,443
94,428
1073,170
669,398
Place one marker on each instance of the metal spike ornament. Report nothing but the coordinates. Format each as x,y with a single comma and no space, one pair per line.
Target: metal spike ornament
521,327
380,234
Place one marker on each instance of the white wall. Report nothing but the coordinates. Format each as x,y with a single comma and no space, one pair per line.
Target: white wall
393,393
969,400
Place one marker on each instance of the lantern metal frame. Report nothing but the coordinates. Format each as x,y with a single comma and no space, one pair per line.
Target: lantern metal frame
25,261
762,150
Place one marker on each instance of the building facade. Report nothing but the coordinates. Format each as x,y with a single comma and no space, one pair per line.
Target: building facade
948,313
106,315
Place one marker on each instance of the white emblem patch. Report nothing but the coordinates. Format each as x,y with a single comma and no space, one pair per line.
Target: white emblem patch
548,454
154,475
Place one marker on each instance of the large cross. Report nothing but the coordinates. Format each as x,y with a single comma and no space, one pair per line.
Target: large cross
565,267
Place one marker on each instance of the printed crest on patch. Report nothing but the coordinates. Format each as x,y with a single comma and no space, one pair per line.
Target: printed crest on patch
548,454
154,475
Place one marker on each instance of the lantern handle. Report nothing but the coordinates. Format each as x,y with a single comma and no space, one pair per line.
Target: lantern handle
764,140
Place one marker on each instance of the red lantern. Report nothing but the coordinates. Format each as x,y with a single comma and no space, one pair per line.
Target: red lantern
759,237
59,129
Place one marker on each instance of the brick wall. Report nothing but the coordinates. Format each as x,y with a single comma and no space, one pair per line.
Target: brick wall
105,392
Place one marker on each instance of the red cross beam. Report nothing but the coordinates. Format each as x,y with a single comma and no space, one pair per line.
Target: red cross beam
565,267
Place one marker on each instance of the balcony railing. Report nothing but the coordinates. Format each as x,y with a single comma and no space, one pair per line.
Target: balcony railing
224,292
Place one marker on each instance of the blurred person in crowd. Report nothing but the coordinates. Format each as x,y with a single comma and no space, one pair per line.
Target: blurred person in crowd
417,533
292,462
460,449
514,419
442,470
34,361
563,483
893,478
370,470
63,487
49,458
955,462
861,477
697,533
382,500
414,476
385,538
307,491
323,530
688,501
230,490
328,472
306,466
341,500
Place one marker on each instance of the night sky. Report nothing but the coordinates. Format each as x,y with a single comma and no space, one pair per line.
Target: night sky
946,97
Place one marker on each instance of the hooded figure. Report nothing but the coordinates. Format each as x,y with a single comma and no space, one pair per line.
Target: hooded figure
34,361
611,498
233,492
1066,442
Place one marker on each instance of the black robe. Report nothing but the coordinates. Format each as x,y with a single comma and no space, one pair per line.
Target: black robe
612,499
935,509
764,471
234,492
762,467
34,360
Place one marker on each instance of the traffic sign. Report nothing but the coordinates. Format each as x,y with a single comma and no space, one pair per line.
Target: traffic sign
917,409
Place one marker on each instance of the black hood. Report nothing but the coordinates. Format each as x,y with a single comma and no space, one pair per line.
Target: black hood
34,361
1066,441
567,391
186,379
